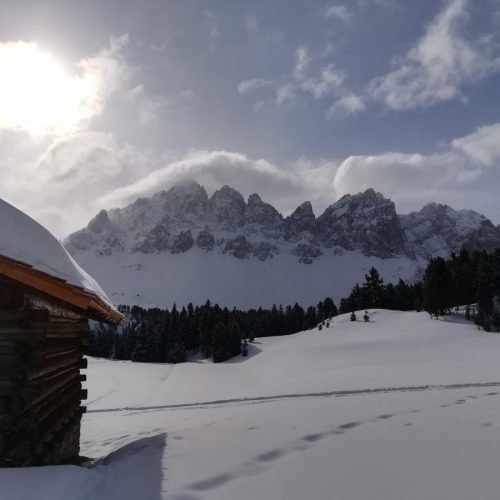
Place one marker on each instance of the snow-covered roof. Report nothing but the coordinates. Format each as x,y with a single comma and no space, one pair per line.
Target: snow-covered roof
25,241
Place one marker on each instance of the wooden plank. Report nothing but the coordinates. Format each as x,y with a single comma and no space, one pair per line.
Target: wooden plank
85,301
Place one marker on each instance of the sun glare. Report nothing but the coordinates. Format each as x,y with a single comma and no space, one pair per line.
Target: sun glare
36,93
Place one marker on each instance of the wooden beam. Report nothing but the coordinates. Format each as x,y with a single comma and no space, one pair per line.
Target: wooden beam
87,302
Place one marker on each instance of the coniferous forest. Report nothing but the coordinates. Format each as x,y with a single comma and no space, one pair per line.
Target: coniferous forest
470,279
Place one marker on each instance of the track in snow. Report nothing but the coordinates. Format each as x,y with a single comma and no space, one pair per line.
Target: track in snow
338,393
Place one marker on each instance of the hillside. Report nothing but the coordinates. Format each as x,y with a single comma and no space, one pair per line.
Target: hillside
403,407
183,246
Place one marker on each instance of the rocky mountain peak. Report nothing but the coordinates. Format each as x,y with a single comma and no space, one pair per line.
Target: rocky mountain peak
226,209
186,200
301,223
366,221
176,220
100,222
263,217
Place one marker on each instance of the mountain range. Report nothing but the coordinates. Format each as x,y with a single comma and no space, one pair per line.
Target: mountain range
183,229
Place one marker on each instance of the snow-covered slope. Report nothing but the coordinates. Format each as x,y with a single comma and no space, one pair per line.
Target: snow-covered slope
401,408
24,240
183,246
195,276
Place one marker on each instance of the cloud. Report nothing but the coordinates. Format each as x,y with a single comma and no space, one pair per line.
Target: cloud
213,169
329,81
68,175
251,22
453,174
286,94
254,84
441,64
464,165
482,146
348,104
326,82
388,4
187,94
72,178
149,108
340,12
211,22
39,96
302,61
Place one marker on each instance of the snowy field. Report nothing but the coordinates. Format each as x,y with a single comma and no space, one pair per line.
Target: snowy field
162,279
401,408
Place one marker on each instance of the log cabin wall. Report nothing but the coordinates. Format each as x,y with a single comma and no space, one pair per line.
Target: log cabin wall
41,354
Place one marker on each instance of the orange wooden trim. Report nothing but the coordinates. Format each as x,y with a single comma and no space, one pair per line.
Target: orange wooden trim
57,288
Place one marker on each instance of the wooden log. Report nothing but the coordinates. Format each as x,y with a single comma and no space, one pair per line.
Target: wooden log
11,298
55,402
18,317
64,443
12,333
30,395
41,349
38,362
15,297
20,374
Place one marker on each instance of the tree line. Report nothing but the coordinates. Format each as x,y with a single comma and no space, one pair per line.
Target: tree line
470,279
163,335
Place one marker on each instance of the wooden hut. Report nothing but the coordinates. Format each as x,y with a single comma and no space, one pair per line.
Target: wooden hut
44,320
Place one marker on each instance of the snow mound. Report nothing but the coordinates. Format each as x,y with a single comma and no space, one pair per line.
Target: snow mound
400,408
24,240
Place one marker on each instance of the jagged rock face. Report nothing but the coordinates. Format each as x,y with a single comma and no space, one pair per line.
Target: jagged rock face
262,218
301,223
100,223
205,240
135,217
366,222
185,202
154,241
309,251
226,209
264,250
173,221
438,230
182,242
101,235
238,247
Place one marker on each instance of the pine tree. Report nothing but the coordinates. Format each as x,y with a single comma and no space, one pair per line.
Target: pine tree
437,287
373,289
219,342
140,352
484,289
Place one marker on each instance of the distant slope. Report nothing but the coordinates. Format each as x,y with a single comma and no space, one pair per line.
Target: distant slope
401,408
183,246
394,350
195,276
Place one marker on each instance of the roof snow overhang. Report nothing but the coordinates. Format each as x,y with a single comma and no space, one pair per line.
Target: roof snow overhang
88,303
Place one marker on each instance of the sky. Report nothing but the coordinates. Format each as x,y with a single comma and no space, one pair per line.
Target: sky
105,102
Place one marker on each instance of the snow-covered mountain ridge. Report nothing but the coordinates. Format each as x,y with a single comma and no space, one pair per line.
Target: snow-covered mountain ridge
183,246
184,217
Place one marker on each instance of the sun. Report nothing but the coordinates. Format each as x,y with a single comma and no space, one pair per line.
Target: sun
37,95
